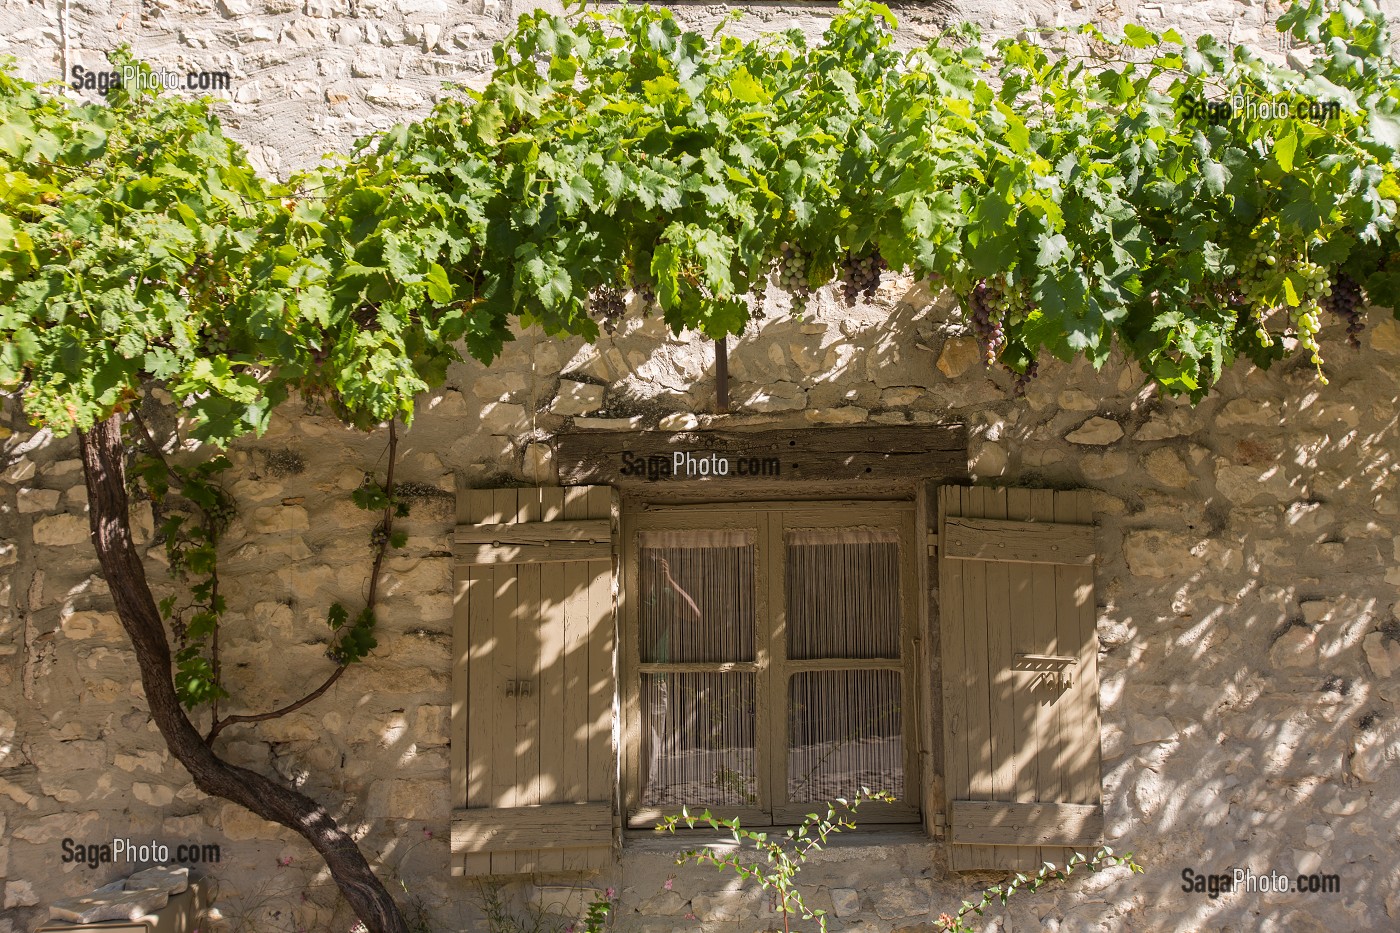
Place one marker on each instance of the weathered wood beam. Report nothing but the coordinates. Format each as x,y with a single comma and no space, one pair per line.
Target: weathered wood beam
866,453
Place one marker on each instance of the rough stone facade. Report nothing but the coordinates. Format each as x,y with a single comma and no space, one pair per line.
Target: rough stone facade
1249,582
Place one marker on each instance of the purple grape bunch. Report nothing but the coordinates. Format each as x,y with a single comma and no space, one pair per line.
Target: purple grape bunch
862,275
609,304
1018,388
1345,302
986,320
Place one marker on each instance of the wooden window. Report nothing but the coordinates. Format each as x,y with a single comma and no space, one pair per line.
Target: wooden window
769,659
1020,685
534,766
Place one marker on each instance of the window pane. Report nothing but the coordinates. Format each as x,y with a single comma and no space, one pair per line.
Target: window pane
844,733
697,596
843,593
698,740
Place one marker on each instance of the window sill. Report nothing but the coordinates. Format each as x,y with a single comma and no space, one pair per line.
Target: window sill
636,841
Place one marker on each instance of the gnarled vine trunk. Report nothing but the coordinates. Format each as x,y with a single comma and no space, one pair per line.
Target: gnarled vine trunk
104,468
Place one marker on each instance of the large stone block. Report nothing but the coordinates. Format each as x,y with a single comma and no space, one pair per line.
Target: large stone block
1385,335
49,829
776,396
958,356
1245,485
61,758
61,530
241,825
1096,432
418,800
275,519
153,795
1166,467
910,898
37,500
20,894
105,626
1296,647
577,398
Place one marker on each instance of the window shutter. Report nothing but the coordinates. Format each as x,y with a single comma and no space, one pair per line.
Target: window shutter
534,764
1019,640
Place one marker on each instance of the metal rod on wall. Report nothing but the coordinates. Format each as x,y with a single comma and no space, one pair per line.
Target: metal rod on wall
722,375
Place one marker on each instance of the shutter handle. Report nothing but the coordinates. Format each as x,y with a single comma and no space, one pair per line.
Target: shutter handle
1062,677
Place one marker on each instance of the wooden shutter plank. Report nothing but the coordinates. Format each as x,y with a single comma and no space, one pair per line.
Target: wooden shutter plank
601,776
527,625
551,691
482,692
1011,825
957,676
461,684
534,541
1023,699
507,602
999,663
1085,762
574,774
532,554
561,826
997,539
1047,722
1024,693
979,713
539,531
1001,682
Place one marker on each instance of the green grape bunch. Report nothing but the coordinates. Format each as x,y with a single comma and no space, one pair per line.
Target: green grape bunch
791,268
1306,314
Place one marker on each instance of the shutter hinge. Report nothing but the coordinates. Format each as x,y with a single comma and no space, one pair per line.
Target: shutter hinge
932,543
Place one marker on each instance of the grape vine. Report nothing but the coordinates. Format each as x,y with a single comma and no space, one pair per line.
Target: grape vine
1078,204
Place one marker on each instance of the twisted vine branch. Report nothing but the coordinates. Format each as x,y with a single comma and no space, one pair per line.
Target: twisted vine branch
382,536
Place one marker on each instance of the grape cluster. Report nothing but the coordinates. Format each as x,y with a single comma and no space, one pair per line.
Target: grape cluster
1255,272
1345,302
995,302
791,268
1018,388
862,275
609,304
1306,316
986,321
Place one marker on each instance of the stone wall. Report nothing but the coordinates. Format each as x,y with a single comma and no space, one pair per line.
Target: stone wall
1248,585
310,76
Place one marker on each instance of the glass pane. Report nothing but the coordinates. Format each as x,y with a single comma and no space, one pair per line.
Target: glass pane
844,733
698,740
697,596
843,593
